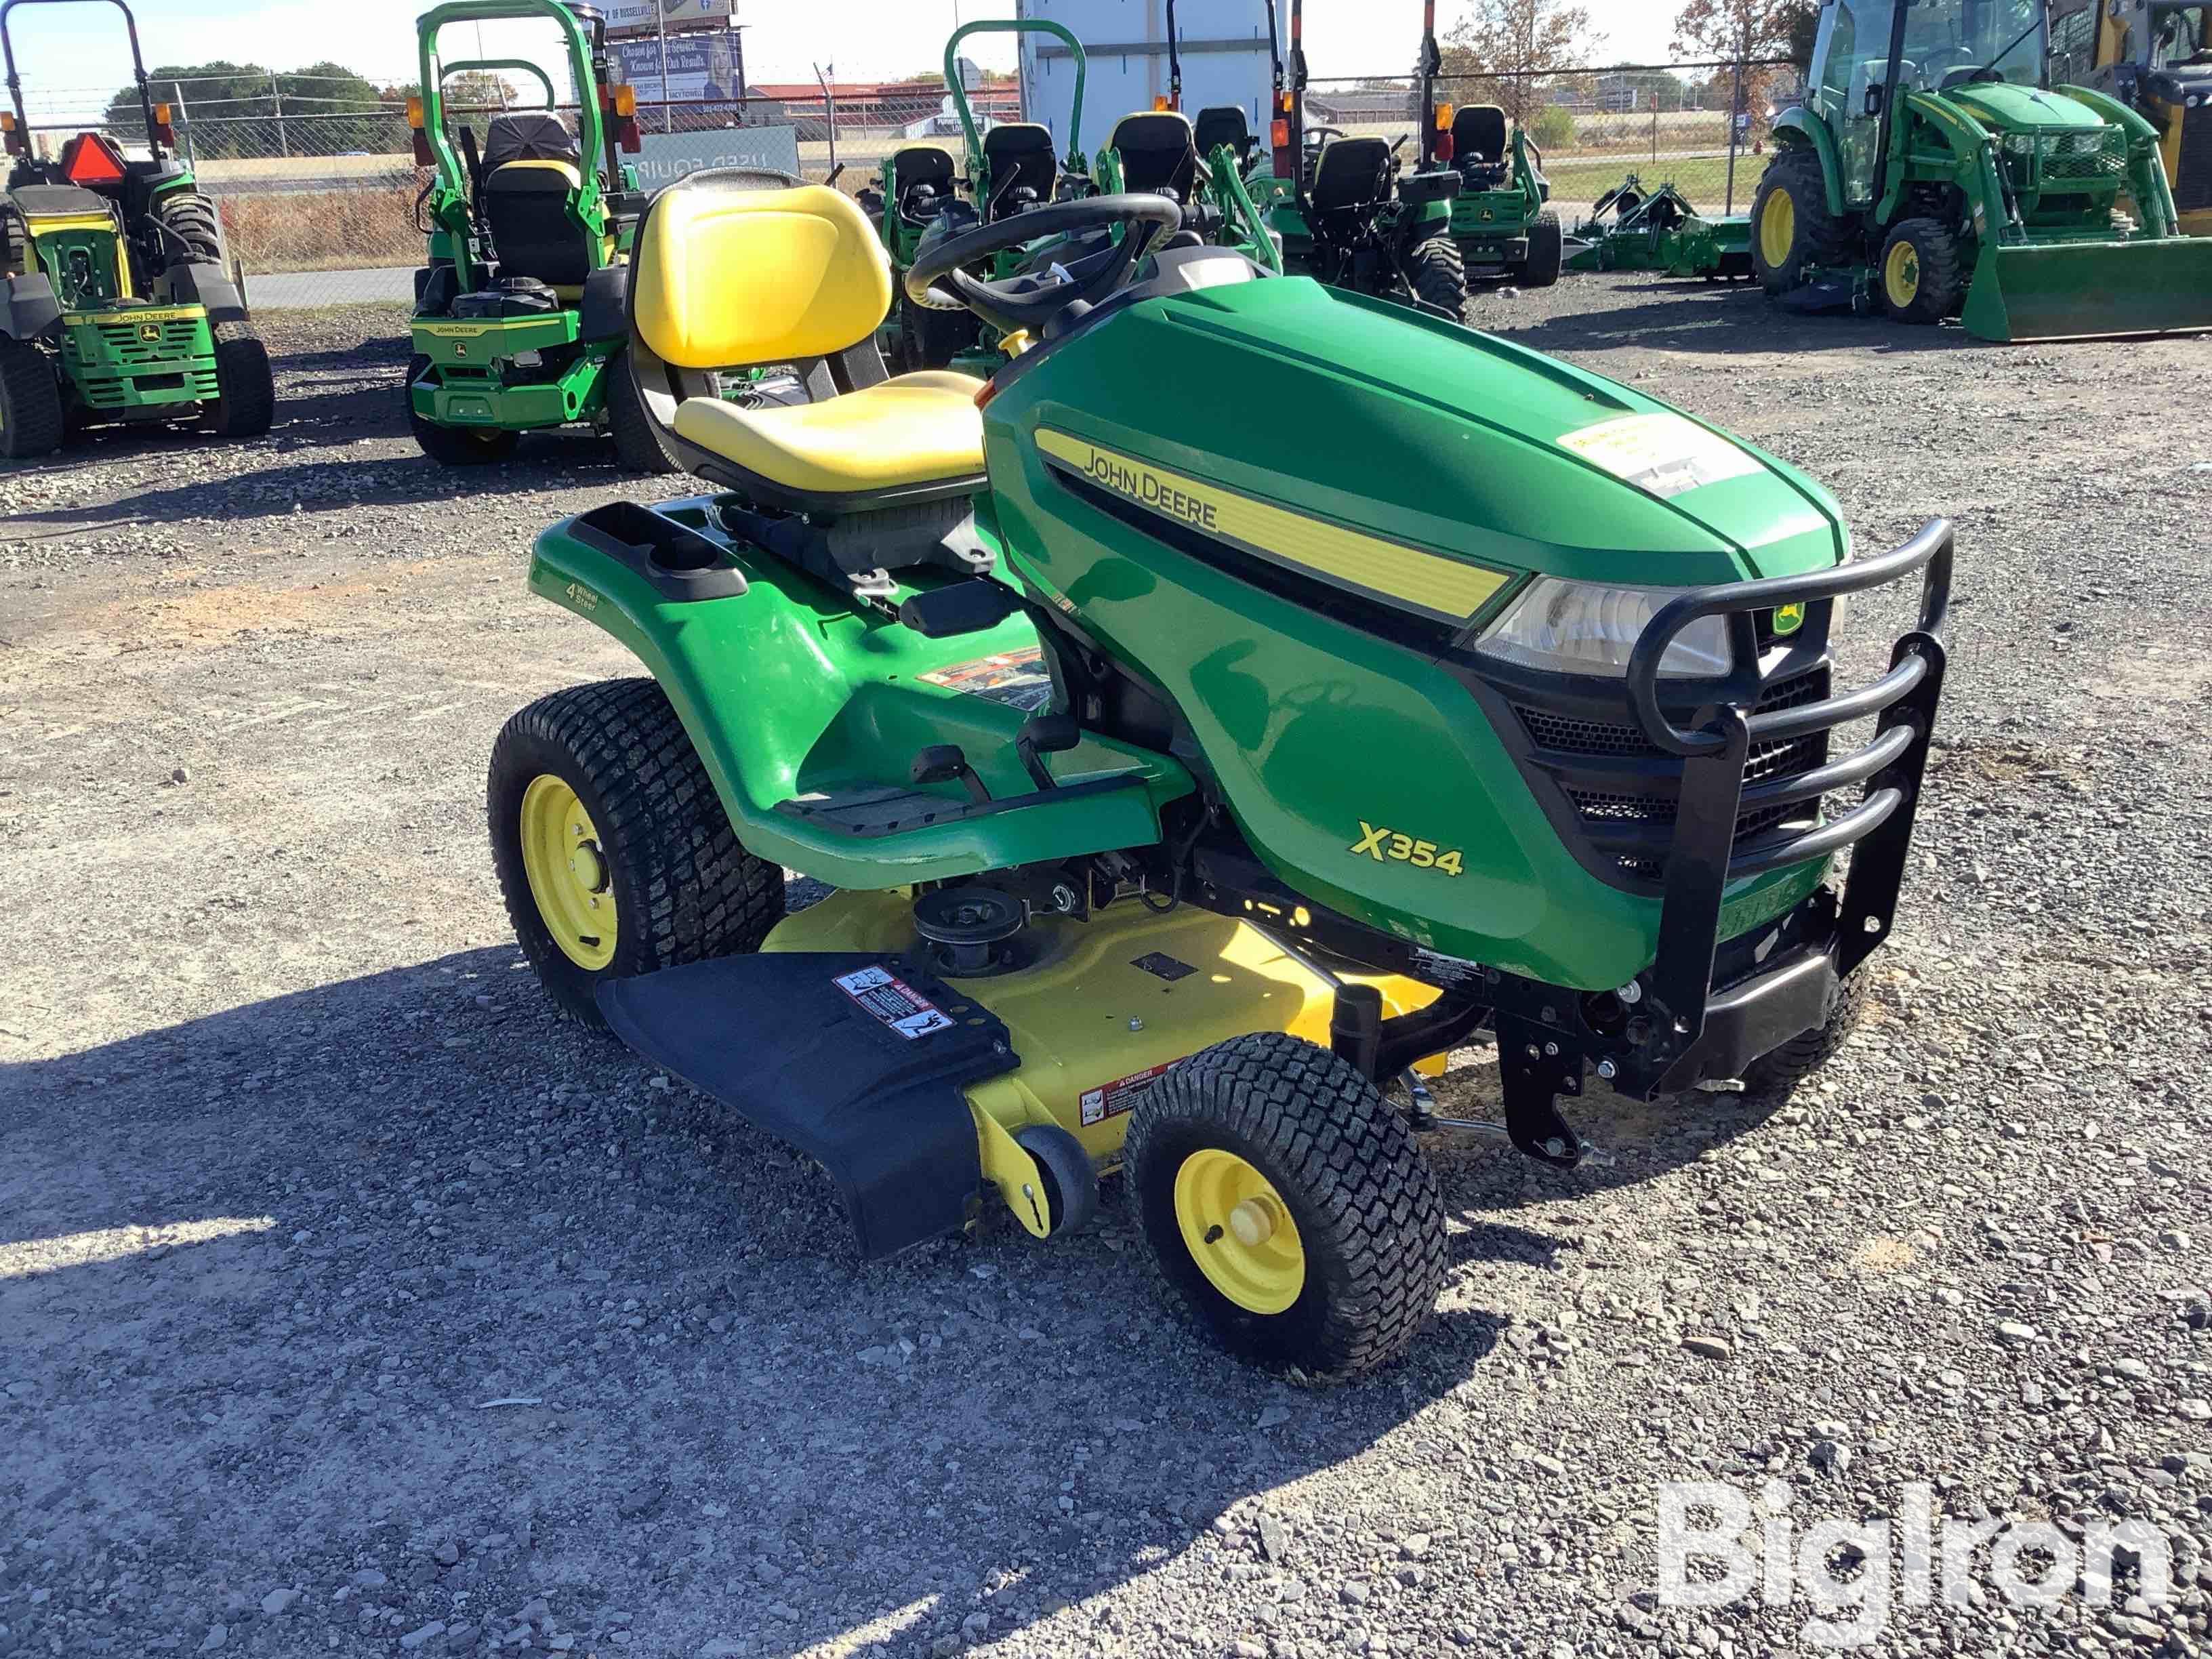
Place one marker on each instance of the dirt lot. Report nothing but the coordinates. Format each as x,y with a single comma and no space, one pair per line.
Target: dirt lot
349,1304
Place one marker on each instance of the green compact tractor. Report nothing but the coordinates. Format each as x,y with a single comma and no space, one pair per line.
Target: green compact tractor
118,309
1936,172
519,311
1630,228
1011,169
1349,217
1183,783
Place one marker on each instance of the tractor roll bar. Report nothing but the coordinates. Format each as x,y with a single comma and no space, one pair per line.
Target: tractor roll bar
1014,25
137,68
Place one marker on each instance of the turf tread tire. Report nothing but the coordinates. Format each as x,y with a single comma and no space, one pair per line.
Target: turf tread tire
191,219
1546,252
245,388
1775,1075
1942,272
640,445
1437,272
685,889
1822,239
1367,1205
31,415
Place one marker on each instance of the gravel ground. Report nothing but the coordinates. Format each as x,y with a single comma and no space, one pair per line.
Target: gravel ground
349,1304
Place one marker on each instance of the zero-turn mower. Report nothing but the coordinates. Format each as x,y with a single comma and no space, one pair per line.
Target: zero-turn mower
1630,228
2155,56
1936,171
117,305
519,309
1330,772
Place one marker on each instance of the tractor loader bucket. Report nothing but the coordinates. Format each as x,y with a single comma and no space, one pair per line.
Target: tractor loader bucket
2071,290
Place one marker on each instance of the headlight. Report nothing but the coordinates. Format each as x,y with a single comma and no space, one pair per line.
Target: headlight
1583,627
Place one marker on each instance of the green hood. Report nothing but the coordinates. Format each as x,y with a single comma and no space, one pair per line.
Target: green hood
2003,108
1420,431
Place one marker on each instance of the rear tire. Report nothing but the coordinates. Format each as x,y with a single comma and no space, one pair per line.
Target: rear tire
1546,252
640,445
1775,1075
245,388
1792,230
194,230
661,853
1923,272
1435,270
1337,1263
30,402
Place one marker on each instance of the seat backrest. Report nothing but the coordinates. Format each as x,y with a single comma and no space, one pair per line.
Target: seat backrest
527,206
1222,124
1350,172
923,164
1021,155
723,276
529,135
1479,133
1158,152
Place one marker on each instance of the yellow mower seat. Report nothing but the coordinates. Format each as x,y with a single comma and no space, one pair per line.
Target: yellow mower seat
723,278
912,430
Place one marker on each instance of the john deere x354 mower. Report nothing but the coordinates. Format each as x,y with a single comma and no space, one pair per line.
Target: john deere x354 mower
1935,165
117,307
1183,781
518,310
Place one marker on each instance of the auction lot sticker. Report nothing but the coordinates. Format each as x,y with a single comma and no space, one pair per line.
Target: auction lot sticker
1665,455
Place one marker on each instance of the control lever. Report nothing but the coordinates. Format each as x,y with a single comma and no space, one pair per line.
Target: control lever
942,763
1042,735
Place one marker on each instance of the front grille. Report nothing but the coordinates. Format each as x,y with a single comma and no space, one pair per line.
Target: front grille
2067,161
2192,191
124,368
1561,741
177,337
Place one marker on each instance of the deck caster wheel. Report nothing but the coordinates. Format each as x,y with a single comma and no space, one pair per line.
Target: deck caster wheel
1287,1207
1071,1184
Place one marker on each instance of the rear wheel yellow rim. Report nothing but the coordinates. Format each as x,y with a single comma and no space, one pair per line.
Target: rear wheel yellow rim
571,878
1778,227
1239,1231
1900,275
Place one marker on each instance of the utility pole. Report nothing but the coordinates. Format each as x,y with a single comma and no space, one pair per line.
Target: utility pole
660,21
276,93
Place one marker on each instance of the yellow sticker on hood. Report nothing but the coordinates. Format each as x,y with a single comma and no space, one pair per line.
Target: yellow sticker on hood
1665,455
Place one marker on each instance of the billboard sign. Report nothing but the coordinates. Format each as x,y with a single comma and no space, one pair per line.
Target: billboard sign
668,156
625,15
702,67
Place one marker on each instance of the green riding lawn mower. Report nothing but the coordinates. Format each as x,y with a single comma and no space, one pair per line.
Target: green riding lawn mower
1935,172
519,308
118,309
1182,784
1632,228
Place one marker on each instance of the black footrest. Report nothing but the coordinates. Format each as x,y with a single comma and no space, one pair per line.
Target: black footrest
856,1059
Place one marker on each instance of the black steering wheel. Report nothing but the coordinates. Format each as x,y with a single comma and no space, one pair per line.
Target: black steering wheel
1032,299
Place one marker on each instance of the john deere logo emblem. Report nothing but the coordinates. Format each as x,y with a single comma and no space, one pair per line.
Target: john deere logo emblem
150,330
1788,619
460,350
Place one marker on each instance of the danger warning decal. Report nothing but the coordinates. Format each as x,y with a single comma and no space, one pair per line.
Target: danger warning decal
893,1001
1665,455
1112,1099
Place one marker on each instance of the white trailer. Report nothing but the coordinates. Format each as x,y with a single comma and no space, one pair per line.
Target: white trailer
1223,44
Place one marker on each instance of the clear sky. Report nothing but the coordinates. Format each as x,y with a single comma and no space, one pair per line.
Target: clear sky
78,48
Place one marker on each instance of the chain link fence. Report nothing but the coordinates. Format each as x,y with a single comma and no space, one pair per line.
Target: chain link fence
319,204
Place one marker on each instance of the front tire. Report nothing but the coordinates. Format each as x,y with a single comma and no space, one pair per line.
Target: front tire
614,854
1775,1075
1546,252
1923,272
1792,230
1288,1209
245,388
30,402
640,445
1436,271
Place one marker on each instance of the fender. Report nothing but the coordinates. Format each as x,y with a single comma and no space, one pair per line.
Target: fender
603,313
205,283
1799,125
31,308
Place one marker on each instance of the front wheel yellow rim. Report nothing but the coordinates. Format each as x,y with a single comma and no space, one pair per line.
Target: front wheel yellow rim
1239,1231
1777,229
1900,275
571,878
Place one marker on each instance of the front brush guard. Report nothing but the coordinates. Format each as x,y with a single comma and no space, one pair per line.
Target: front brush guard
1706,856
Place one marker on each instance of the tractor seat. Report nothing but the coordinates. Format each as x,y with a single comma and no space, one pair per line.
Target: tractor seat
1158,153
533,179
1223,124
897,434
1020,157
1350,172
726,277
